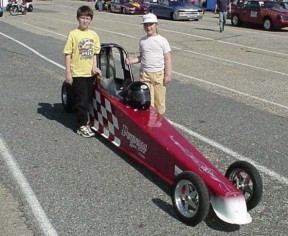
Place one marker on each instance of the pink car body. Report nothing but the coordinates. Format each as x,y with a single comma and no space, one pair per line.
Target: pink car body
151,140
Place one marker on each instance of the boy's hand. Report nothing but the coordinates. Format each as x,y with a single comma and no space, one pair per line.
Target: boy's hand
68,79
98,77
96,71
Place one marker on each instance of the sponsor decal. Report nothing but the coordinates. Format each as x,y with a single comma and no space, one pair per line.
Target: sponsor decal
135,142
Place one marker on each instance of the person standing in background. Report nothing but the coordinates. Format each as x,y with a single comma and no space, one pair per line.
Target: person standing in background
222,6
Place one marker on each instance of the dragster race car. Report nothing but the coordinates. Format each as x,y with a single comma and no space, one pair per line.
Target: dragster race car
121,112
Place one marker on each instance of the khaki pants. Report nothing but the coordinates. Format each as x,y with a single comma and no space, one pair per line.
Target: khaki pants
155,82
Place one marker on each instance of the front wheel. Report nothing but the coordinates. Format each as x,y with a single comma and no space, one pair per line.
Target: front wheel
246,178
14,10
267,24
30,8
235,21
174,15
190,198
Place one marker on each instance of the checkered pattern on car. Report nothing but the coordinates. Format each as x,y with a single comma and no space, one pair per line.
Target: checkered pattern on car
105,122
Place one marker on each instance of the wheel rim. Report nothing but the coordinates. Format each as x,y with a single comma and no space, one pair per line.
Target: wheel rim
267,24
186,198
174,16
14,11
235,20
243,182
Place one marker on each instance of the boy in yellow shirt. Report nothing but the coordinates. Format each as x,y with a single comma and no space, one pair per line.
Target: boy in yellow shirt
81,49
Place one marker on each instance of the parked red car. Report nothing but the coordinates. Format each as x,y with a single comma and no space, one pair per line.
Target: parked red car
268,14
128,6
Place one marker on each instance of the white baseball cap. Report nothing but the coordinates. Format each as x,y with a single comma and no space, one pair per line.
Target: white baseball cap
149,18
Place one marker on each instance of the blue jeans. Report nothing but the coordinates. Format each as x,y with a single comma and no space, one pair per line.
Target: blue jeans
222,20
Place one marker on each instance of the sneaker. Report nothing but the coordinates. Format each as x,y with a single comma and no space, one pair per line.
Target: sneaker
90,130
85,131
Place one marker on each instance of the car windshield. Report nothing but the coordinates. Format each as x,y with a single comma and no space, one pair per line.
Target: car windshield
179,2
267,4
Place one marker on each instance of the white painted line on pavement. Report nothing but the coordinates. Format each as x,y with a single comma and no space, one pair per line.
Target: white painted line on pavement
189,51
225,42
34,51
177,73
232,62
178,33
28,193
230,152
233,90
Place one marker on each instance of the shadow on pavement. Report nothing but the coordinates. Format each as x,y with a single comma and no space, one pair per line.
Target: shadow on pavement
56,112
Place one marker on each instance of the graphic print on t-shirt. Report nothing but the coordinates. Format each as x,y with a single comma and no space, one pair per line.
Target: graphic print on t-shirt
85,47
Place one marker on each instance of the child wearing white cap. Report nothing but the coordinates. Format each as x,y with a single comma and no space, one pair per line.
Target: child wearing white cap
156,62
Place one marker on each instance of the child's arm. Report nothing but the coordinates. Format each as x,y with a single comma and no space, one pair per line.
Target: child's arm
68,76
133,60
168,67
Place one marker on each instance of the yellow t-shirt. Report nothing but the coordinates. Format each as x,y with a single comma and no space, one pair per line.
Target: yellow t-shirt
82,46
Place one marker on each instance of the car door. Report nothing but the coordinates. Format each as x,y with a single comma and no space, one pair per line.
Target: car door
251,12
118,5
112,6
167,7
115,5
162,8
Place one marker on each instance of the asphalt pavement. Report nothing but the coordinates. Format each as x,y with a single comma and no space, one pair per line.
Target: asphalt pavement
12,220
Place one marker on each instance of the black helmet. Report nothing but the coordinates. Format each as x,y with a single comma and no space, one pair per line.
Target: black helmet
137,96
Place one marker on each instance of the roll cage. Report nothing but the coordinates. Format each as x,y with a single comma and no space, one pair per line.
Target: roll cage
116,74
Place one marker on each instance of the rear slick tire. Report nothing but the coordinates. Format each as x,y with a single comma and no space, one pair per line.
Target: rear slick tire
67,97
